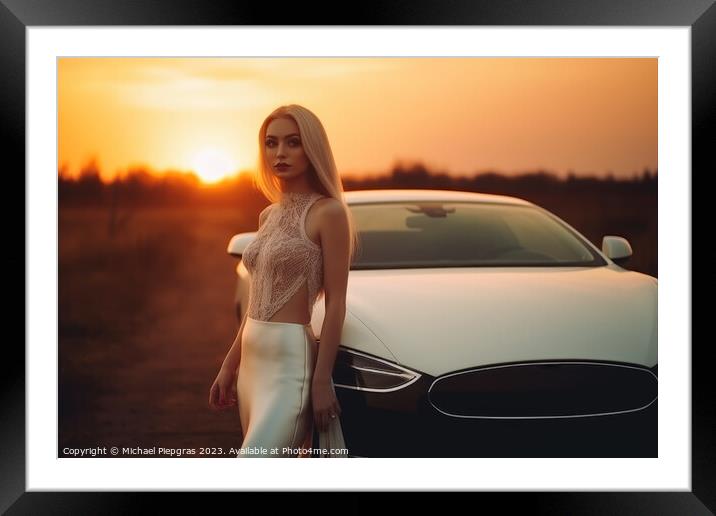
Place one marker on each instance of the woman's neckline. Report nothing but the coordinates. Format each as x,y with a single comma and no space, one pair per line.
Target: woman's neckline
299,193
288,196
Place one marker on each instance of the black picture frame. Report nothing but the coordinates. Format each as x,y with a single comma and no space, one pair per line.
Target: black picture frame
17,15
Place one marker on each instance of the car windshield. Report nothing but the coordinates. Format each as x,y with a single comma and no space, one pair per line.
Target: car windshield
465,234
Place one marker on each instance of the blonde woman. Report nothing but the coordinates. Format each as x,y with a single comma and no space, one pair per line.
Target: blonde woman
275,370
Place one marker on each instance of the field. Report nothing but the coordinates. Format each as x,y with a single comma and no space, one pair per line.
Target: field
145,320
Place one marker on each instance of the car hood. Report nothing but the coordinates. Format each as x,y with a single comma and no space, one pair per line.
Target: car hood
447,319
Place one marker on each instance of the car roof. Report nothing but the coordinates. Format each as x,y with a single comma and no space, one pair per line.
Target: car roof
370,196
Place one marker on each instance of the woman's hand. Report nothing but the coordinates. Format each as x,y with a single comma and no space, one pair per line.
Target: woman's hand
222,394
325,404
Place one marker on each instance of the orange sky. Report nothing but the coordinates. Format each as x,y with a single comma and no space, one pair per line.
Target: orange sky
460,115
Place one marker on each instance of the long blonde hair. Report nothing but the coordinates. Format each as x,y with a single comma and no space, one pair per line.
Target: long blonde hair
322,172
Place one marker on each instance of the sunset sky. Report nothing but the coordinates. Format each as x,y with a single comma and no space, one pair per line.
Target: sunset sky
457,115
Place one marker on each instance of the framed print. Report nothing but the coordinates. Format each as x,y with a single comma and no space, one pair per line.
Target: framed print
177,92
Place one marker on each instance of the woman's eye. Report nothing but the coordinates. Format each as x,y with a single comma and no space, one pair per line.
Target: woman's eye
292,142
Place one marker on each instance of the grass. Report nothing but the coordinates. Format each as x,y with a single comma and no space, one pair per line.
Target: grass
145,320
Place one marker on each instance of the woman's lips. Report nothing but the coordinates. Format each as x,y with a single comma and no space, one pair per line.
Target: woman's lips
283,167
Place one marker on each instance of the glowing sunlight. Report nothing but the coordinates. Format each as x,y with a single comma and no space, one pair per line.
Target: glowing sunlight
211,164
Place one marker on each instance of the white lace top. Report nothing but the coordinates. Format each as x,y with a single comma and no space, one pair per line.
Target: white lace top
281,258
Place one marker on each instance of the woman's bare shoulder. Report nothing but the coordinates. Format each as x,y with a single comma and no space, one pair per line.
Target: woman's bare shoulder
264,213
328,204
328,209
268,208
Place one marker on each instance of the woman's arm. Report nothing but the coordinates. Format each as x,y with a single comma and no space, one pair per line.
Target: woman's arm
335,243
233,357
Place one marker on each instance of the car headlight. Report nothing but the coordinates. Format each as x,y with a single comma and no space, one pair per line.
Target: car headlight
356,370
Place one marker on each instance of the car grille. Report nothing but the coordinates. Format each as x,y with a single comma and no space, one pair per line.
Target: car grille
544,390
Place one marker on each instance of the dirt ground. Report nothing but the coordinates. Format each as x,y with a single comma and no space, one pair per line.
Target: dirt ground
145,320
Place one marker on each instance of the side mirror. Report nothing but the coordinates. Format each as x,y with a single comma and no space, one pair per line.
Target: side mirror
617,249
238,243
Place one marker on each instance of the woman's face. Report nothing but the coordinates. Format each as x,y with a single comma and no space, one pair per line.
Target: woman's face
283,145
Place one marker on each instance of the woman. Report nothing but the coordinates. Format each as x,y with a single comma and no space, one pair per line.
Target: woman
302,251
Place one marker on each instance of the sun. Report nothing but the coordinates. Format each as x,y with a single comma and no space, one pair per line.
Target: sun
212,164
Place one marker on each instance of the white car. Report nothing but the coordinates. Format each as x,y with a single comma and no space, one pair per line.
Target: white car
484,325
